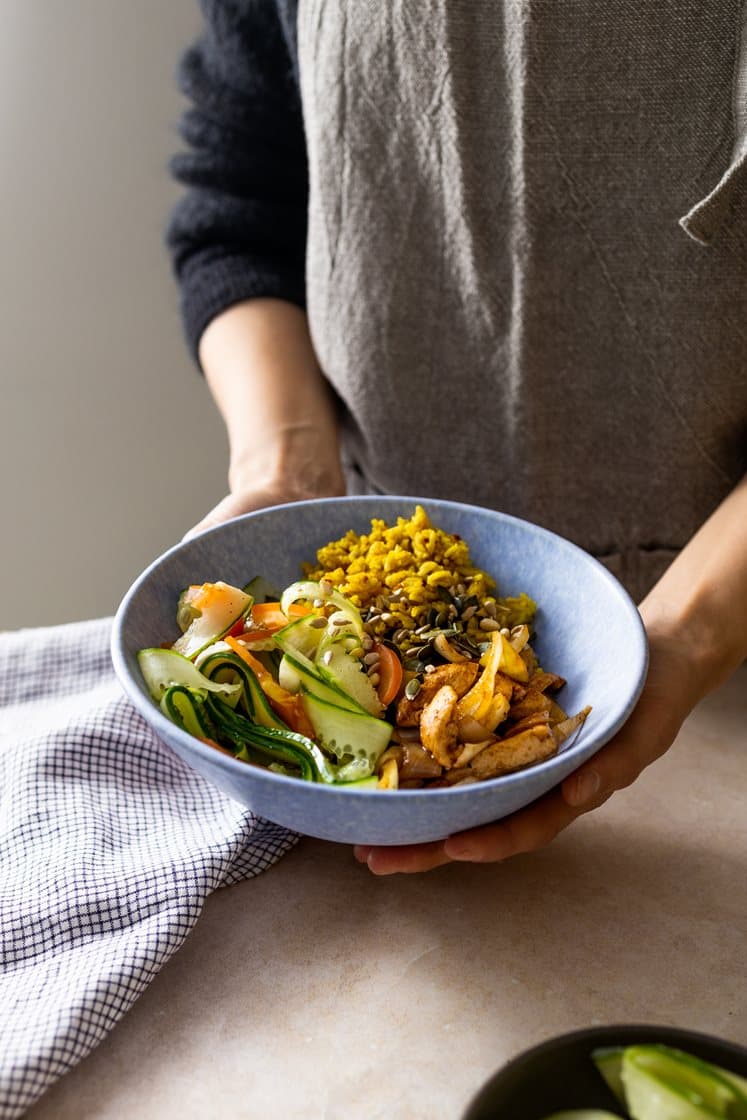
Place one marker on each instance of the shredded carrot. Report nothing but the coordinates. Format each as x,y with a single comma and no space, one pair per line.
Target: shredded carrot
270,616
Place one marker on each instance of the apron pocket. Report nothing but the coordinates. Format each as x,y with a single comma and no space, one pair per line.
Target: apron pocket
727,201
723,205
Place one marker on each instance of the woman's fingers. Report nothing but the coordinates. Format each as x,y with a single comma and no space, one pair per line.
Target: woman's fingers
650,731
406,859
233,505
236,504
525,831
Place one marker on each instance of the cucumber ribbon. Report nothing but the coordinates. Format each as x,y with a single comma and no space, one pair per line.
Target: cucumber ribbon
206,716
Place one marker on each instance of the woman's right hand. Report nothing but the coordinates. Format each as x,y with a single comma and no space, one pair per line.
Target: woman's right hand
306,476
279,411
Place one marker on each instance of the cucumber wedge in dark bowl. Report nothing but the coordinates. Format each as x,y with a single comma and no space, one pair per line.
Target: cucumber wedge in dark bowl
628,1072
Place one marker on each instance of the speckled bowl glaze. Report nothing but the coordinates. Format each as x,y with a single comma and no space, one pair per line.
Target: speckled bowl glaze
587,629
560,1074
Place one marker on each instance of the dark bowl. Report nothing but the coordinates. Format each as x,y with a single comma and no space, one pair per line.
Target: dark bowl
560,1074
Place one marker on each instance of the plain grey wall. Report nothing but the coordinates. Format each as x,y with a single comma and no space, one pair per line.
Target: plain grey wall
110,445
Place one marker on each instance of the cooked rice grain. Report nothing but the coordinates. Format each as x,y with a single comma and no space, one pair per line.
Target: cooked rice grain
418,558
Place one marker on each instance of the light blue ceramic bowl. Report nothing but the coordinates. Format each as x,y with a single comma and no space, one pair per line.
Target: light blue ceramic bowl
587,630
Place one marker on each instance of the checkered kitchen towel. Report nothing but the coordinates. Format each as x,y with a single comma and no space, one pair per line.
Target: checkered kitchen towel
109,846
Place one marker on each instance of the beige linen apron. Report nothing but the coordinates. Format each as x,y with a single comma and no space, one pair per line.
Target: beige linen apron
526,257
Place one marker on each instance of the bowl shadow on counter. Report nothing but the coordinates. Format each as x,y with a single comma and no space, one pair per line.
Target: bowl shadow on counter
560,1074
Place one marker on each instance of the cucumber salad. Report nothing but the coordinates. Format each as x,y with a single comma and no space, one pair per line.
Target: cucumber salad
305,684
656,1082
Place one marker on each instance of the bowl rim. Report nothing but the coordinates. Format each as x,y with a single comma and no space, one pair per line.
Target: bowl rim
152,713
603,1035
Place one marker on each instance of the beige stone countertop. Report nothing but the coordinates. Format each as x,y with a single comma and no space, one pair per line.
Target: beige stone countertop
319,992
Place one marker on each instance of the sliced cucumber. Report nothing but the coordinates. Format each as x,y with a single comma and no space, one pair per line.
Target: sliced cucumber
583,1114
215,647
658,1082
650,1098
220,666
162,668
296,671
665,1084
309,591
300,635
261,591
350,736
346,673
371,782
220,607
186,708
608,1060
186,613
270,745
739,1083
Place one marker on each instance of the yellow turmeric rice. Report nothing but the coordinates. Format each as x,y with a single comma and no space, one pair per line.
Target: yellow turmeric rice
410,568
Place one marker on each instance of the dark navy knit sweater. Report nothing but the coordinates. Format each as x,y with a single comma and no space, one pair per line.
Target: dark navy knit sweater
240,230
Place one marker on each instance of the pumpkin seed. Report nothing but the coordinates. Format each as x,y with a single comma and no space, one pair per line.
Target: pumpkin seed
412,688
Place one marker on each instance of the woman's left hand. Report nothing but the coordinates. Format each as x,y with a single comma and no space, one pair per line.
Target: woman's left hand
668,695
696,620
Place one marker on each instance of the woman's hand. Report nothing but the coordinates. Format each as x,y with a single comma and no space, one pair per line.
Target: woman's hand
696,621
279,411
650,731
305,467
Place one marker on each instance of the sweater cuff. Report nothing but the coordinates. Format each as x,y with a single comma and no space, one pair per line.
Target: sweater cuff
211,287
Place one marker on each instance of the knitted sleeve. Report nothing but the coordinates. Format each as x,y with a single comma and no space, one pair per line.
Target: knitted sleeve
239,231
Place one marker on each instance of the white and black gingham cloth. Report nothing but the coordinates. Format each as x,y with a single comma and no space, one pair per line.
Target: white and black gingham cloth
109,846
